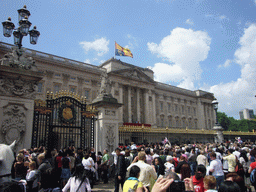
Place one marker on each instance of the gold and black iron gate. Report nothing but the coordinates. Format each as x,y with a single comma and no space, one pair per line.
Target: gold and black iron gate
61,121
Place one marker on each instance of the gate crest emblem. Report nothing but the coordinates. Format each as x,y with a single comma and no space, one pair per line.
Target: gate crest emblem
67,113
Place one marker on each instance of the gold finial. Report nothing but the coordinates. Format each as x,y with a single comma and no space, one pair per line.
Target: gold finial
82,99
47,94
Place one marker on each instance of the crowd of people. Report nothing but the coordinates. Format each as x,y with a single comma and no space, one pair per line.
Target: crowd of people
155,167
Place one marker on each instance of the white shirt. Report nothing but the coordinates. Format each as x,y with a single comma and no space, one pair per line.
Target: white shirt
88,164
31,174
146,171
217,166
73,185
168,166
237,154
155,155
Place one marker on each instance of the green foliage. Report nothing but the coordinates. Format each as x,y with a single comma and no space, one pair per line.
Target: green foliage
223,120
229,123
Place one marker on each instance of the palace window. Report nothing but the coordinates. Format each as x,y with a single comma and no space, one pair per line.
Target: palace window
169,107
170,123
86,94
161,106
72,89
177,123
40,87
183,123
162,122
56,88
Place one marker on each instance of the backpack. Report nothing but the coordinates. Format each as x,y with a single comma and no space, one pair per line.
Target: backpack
239,169
127,162
253,177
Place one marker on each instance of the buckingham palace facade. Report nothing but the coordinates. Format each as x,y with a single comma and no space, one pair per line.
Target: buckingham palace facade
150,110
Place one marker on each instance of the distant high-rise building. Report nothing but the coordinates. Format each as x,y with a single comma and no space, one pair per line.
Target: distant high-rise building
246,114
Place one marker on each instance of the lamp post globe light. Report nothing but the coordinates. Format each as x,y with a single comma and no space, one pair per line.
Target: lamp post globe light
22,30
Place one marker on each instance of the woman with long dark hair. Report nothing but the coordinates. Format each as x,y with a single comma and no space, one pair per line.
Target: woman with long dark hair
158,166
79,181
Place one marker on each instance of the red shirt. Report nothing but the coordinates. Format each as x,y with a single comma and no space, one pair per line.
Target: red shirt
253,165
58,160
198,184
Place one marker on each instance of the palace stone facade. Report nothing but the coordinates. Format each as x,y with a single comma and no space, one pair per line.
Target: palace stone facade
144,100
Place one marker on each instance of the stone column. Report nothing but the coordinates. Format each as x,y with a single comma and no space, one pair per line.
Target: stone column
154,109
48,83
80,86
219,134
200,114
66,78
120,101
146,96
129,105
138,105
107,135
107,124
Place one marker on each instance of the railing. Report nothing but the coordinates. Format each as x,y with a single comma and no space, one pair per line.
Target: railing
34,53
144,129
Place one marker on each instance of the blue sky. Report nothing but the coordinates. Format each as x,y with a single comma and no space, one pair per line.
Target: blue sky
193,44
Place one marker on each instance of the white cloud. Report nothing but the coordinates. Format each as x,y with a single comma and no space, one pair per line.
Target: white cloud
99,45
184,49
190,22
87,61
132,42
226,64
237,95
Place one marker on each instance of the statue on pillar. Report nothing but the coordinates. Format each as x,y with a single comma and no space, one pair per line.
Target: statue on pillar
18,58
105,87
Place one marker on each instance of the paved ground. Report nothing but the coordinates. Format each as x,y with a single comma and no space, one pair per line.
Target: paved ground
110,187
101,187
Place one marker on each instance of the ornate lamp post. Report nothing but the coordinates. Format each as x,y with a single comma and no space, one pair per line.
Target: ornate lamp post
219,130
215,107
22,30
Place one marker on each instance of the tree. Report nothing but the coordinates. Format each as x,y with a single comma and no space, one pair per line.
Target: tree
243,125
223,120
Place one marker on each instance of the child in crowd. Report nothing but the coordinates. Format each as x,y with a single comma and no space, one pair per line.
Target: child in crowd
210,183
32,186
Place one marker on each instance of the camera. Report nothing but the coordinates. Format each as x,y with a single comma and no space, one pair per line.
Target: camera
176,186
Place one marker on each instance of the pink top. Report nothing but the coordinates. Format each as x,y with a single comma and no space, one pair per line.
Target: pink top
149,159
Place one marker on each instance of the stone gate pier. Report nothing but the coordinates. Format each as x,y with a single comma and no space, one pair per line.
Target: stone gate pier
18,84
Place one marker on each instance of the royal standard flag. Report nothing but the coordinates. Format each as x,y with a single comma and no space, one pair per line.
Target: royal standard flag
121,51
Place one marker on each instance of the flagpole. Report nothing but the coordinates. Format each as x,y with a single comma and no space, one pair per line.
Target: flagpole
115,51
